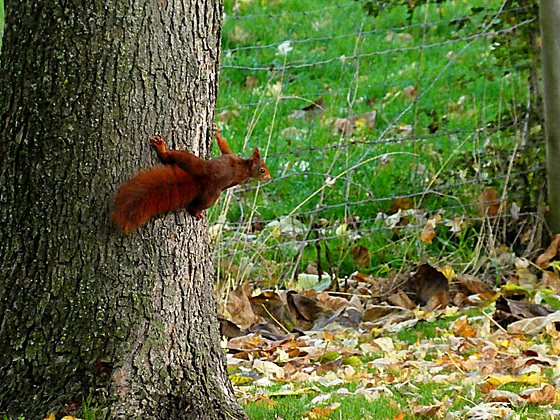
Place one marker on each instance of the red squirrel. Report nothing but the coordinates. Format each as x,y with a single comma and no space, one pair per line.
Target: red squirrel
186,181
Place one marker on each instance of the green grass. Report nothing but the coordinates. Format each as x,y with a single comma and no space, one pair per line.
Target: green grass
384,407
483,87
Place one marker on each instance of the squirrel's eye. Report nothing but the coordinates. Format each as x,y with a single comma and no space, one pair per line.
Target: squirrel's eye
262,170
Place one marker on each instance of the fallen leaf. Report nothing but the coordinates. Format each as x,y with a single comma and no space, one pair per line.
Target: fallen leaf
400,204
429,229
487,411
400,416
544,259
344,126
410,92
318,413
239,308
551,280
425,283
507,397
473,285
362,256
488,203
533,326
429,411
367,119
462,327
545,395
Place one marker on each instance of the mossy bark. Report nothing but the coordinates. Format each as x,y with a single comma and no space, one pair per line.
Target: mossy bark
85,310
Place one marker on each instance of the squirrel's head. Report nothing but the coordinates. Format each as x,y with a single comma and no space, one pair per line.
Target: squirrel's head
259,171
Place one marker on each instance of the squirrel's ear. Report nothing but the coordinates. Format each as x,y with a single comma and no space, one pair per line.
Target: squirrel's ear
256,154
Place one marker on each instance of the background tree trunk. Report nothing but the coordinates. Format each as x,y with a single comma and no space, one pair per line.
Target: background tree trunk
85,310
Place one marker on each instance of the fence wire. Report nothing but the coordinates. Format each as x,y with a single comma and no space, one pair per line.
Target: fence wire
415,146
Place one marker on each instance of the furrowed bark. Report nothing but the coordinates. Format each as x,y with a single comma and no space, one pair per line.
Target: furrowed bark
86,311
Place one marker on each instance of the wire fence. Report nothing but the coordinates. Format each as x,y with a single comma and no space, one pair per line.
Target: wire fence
394,135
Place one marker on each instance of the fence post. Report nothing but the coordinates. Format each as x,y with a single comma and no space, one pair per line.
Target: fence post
550,36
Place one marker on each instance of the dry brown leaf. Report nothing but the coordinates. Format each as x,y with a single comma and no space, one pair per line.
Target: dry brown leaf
473,285
551,280
488,203
400,416
428,411
535,325
362,256
263,399
438,300
402,300
333,365
545,395
486,387
305,310
425,283
400,204
270,306
318,413
462,328
429,230
344,126
507,397
544,259
333,302
368,118
238,307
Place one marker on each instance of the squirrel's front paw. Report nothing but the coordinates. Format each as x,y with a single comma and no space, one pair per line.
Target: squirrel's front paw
158,143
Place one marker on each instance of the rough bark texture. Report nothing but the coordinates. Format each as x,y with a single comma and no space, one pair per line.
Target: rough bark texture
550,30
85,310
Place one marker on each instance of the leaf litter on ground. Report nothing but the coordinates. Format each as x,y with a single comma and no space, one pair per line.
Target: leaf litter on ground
487,352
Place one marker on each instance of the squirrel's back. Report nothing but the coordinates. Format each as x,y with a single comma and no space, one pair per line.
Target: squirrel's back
151,192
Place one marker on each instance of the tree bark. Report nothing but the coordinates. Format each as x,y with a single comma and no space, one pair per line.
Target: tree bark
549,12
86,311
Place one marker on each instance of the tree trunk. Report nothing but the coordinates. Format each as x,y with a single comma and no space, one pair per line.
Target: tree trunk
86,311
550,19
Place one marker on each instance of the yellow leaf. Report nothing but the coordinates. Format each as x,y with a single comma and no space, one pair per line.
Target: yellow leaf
498,380
361,123
50,417
448,272
531,378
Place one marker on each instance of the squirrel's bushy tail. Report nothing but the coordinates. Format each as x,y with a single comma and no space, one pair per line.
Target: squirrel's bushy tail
152,192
